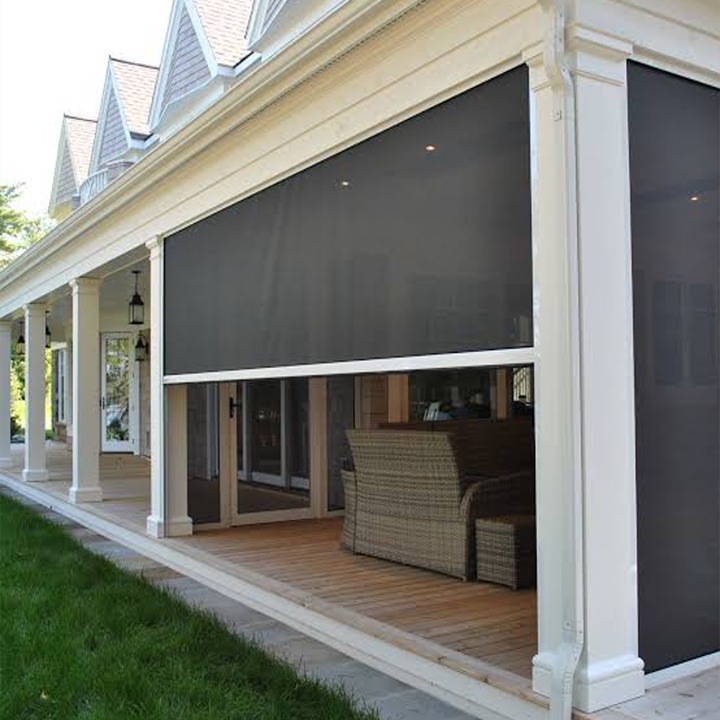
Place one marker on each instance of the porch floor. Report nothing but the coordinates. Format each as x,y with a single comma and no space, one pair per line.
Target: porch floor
467,625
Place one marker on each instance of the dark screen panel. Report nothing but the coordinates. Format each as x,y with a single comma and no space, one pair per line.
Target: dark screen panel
675,169
414,242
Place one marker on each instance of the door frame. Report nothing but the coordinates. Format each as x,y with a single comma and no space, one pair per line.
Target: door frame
123,446
229,469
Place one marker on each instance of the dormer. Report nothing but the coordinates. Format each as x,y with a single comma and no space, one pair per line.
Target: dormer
274,24
204,43
71,165
123,128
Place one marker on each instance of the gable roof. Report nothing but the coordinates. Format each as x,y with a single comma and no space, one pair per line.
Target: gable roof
73,159
205,39
80,133
135,83
124,109
225,23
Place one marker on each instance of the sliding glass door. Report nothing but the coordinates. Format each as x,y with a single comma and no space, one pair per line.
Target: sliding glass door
269,422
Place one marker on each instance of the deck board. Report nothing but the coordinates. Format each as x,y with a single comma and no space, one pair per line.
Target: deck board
485,622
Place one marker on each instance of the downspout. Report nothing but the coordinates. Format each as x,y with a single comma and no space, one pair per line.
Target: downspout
568,654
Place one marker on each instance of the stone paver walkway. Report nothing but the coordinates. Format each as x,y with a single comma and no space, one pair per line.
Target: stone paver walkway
392,699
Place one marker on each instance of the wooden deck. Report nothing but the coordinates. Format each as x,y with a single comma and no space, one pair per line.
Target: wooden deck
437,616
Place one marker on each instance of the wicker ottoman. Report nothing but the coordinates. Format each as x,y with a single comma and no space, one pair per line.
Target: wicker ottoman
506,550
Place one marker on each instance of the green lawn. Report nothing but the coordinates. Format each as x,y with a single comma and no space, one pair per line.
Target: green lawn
80,638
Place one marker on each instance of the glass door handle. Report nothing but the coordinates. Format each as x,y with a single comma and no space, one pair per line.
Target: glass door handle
231,406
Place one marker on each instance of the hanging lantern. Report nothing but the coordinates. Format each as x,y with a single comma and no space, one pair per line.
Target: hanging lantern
141,349
48,336
20,345
136,308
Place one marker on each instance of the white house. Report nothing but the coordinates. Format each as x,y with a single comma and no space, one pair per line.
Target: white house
352,219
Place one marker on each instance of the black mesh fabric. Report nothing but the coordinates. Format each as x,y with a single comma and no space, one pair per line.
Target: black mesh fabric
390,248
675,176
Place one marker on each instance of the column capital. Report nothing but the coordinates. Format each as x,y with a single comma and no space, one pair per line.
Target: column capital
85,285
35,309
155,246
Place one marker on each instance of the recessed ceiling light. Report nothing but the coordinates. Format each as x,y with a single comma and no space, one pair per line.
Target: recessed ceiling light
430,148
345,183
694,198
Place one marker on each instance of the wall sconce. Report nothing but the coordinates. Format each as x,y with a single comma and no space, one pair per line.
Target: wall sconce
141,348
136,308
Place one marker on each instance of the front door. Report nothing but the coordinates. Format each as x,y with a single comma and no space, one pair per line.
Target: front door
117,380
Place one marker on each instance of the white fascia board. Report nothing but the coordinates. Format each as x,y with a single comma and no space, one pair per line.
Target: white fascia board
256,21
202,37
290,21
164,70
184,109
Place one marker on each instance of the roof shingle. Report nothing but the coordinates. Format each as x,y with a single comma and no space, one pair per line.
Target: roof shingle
80,134
225,22
135,84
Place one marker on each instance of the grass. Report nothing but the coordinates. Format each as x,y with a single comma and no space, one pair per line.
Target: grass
80,638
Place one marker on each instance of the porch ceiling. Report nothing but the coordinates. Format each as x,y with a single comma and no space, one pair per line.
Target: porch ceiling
115,292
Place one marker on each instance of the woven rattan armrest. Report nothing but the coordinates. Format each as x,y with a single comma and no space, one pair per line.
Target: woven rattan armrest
505,495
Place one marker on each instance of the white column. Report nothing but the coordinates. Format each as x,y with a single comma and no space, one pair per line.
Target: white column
610,670
587,607
177,522
86,390
35,468
158,508
5,400
69,383
168,417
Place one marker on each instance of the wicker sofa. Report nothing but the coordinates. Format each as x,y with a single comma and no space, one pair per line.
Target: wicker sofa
409,499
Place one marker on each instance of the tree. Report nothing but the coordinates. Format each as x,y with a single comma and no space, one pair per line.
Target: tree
17,230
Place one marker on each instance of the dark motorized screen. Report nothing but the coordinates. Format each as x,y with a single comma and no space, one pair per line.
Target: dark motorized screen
416,241
675,175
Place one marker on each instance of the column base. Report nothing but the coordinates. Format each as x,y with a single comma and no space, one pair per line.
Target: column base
177,527
85,494
6,462
597,686
35,475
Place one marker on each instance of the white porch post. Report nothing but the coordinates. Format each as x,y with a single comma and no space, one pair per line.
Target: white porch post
68,383
168,418
35,468
86,390
156,519
584,376
610,670
5,401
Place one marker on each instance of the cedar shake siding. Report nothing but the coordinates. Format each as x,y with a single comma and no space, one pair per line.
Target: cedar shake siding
188,68
67,186
113,141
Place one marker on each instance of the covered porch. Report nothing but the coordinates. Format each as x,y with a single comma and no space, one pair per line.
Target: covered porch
480,630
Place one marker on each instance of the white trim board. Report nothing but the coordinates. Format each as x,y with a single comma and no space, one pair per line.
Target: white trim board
481,358
489,692
682,670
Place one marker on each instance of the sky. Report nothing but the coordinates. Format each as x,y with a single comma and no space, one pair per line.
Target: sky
53,58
